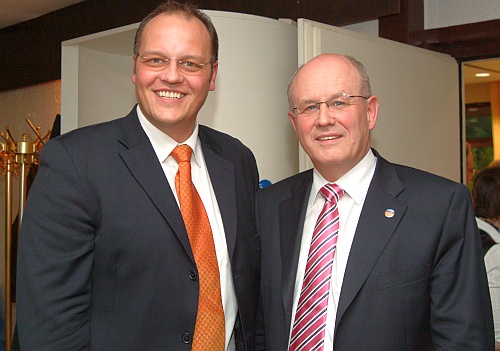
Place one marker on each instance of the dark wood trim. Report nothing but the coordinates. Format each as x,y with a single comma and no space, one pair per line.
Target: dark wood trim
465,42
355,11
483,142
405,26
31,51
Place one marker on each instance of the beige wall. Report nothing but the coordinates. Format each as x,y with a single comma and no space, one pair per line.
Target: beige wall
39,104
477,93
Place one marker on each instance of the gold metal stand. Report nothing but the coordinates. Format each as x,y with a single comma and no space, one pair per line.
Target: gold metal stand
14,157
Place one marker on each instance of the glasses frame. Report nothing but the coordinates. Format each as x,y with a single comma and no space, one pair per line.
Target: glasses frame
329,103
180,64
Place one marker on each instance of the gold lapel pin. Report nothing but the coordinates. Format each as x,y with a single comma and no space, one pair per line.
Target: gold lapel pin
389,213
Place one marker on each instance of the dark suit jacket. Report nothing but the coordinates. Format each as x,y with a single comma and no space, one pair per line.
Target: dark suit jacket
104,258
412,282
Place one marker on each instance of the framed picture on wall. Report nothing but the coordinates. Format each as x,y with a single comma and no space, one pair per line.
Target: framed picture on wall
479,133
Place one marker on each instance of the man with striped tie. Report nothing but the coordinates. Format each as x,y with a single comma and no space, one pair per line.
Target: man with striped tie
359,253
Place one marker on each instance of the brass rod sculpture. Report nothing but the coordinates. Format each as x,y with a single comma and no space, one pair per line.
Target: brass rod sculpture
35,130
25,156
14,155
8,241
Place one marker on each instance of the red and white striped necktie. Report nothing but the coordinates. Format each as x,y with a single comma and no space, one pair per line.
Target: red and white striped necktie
308,331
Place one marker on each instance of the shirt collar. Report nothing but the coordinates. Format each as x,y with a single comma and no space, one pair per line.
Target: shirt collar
355,182
163,144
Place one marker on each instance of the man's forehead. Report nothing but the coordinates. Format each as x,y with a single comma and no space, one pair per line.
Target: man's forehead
327,82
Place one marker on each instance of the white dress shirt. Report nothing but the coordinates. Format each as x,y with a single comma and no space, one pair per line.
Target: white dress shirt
355,184
163,146
492,264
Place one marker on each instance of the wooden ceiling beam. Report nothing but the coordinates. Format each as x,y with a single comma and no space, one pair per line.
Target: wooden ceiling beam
465,42
405,26
355,11
38,42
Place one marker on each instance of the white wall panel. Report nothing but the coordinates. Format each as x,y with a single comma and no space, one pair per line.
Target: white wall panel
419,120
256,59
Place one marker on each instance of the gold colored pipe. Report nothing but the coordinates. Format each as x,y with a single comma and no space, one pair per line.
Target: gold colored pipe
25,155
22,154
35,130
8,243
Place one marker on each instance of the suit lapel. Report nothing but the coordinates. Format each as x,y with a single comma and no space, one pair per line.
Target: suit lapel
222,177
373,231
291,219
143,164
223,182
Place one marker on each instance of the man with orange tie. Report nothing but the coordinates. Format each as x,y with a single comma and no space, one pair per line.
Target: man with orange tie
359,253
139,233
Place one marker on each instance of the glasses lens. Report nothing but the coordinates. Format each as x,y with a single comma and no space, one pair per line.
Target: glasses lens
154,62
190,66
336,103
308,109
158,63
339,102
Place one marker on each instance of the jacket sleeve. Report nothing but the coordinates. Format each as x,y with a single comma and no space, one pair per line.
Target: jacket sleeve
55,257
461,316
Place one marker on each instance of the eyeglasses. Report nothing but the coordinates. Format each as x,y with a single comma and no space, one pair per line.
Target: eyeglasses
159,63
336,103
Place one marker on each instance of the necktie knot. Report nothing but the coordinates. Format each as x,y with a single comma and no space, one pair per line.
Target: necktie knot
182,153
332,192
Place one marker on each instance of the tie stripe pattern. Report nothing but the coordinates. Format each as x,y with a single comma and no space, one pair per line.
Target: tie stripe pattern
209,332
308,331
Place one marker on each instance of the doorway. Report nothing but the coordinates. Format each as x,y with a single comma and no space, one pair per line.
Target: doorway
481,106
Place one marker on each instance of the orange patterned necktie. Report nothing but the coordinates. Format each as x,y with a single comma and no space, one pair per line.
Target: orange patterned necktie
209,332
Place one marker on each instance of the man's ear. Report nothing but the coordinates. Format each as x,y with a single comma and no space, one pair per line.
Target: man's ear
292,119
372,111
134,57
215,69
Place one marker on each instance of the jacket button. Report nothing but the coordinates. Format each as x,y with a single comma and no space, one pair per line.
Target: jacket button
193,275
187,338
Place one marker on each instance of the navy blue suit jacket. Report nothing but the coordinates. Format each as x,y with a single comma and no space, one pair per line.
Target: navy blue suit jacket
415,281
104,258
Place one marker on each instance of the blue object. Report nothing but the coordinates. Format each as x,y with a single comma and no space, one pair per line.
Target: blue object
264,183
